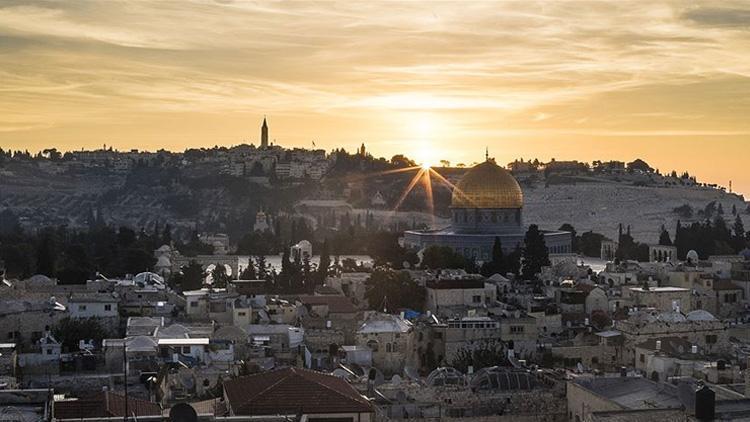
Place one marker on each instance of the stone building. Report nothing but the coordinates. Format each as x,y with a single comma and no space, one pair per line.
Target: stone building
455,297
24,321
660,298
470,333
697,327
390,337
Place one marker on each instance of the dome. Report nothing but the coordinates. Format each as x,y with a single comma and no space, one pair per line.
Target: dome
445,376
503,379
487,185
692,256
671,316
700,315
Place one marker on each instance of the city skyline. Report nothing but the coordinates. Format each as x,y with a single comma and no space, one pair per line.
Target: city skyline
664,82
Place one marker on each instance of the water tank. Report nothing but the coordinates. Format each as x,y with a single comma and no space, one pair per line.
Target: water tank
705,404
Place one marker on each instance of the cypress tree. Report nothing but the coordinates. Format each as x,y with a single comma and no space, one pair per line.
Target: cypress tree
535,254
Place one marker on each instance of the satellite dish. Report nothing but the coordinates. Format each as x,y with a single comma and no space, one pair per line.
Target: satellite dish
182,412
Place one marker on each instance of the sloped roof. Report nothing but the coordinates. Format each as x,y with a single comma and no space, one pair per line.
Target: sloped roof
103,405
385,323
293,390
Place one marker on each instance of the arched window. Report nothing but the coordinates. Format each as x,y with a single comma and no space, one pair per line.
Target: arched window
373,345
388,347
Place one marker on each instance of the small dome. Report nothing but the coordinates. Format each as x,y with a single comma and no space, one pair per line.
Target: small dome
700,315
148,278
693,256
39,279
163,262
445,376
671,316
487,185
503,379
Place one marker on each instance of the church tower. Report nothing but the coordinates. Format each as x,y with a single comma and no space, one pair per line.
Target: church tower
264,134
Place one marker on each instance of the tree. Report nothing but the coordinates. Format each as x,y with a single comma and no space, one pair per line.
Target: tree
573,235
393,290
45,255
664,239
249,272
739,234
497,264
193,276
483,355
69,331
324,263
590,243
262,266
435,257
600,320
220,277
535,254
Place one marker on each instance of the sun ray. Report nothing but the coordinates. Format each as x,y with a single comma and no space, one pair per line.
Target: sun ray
454,188
427,184
408,189
381,173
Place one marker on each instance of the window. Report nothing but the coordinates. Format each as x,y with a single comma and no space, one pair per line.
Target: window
643,358
388,347
242,313
81,308
10,335
711,339
373,345
107,307
193,304
476,299
516,329
185,350
49,351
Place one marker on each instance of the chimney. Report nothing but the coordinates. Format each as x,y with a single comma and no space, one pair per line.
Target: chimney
705,404
694,349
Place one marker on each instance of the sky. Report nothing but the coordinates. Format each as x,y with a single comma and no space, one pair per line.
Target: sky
667,82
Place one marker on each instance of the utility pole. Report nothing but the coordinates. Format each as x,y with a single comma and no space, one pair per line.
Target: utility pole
125,376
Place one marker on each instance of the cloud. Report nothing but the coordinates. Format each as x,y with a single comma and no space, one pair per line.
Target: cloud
730,17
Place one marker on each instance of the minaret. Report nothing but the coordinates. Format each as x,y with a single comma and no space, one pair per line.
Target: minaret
264,134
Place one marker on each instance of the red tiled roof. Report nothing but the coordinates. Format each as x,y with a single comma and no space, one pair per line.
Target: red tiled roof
103,405
292,391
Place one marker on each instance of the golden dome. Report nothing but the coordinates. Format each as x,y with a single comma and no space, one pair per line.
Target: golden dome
487,185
